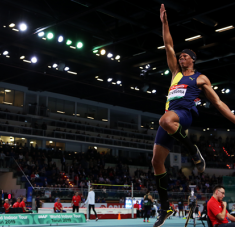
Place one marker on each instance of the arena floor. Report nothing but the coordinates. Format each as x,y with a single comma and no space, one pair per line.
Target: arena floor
174,221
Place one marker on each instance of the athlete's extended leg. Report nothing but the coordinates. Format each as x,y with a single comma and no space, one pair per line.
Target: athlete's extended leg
171,123
159,156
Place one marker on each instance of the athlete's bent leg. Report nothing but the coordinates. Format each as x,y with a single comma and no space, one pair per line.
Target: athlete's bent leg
171,123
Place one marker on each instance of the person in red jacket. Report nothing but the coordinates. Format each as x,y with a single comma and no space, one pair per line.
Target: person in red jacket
76,200
216,209
137,206
17,203
23,206
7,206
58,208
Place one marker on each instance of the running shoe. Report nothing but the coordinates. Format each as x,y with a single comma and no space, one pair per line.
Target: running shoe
96,219
164,214
148,221
144,220
199,161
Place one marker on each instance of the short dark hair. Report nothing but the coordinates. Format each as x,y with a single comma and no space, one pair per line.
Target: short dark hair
218,187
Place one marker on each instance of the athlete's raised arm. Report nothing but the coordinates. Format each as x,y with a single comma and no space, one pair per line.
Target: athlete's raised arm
168,43
211,95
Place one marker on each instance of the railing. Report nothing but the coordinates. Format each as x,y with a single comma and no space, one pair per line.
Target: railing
73,136
110,194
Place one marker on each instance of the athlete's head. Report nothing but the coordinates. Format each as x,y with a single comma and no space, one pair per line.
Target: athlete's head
91,188
219,192
187,59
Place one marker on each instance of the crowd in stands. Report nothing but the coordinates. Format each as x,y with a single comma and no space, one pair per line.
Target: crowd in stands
91,166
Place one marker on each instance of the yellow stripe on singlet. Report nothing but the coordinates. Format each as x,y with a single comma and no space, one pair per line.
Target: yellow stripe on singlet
175,81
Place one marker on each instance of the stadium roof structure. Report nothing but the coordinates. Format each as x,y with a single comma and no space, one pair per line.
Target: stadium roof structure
130,32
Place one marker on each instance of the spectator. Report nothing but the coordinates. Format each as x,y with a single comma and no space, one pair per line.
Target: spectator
216,209
121,200
58,208
17,203
7,206
23,206
2,159
63,163
37,203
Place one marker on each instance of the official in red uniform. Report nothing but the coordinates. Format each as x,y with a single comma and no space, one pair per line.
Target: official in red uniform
17,203
23,206
137,206
58,208
7,206
76,200
216,209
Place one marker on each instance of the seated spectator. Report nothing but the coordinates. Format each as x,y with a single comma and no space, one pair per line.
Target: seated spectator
98,200
7,206
216,209
23,206
17,203
58,208
103,200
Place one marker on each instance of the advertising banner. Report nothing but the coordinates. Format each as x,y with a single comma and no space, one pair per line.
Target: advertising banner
39,219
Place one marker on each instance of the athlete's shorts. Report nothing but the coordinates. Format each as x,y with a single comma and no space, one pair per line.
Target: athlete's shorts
164,139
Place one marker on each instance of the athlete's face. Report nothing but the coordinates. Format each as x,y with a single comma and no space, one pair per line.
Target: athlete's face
185,61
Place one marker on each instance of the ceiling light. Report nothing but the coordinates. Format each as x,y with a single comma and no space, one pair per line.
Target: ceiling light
109,55
227,91
79,45
44,38
54,65
50,35
71,72
12,25
232,111
7,90
50,141
104,119
5,52
27,61
58,111
167,72
117,57
97,54
100,79
112,59
34,60
154,68
161,47
216,87
204,104
95,51
23,138
72,47
60,39
208,128
23,27
66,68
223,90
228,130
109,79
132,88
113,82
149,92
224,29
49,66
69,42
154,91
97,77
119,82
147,66
7,56
102,52
22,57
204,130
41,34
141,67
193,38
14,29
137,89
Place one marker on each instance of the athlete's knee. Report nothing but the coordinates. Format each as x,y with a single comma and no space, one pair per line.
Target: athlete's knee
165,122
157,162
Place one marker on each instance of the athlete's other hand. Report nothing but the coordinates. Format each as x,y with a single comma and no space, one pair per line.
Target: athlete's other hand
163,16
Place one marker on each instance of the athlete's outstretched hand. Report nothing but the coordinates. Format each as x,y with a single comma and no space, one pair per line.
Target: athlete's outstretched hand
163,15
